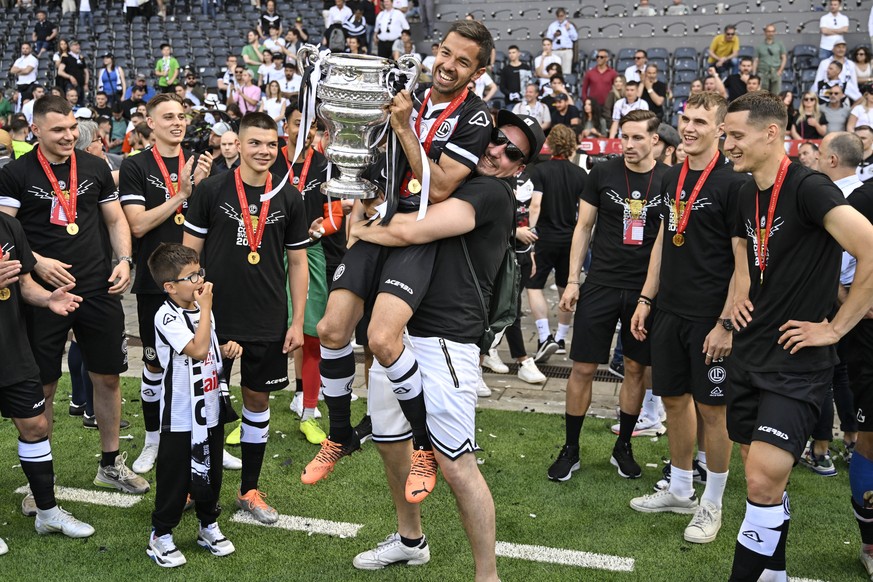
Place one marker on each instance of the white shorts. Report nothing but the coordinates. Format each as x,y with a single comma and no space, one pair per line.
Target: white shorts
450,374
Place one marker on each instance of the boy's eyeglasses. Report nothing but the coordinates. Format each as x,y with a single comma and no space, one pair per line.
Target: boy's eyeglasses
192,278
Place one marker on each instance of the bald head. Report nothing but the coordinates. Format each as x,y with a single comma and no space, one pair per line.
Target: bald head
840,153
229,146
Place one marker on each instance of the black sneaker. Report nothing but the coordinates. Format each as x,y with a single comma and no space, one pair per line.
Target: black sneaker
698,471
545,349
364,429
91,422
77,409
623,459
562,347
567,462
616,368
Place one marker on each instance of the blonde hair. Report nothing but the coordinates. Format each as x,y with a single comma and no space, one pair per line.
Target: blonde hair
816,112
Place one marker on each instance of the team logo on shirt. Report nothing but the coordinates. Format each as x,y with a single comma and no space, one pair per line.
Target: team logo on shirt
675,212
42,194
757,235
636,207
241,238
6,249
158,182
444,130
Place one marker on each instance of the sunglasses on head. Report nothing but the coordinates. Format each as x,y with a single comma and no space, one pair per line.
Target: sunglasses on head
512,151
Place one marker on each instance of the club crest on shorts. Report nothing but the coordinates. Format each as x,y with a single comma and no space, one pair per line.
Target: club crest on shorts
150,354
717,375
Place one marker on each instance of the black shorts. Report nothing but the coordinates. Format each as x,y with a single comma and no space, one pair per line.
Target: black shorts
369,269
778,408
99,327
264,367
24,399
857,346
550,257
597,312
679,364
147,306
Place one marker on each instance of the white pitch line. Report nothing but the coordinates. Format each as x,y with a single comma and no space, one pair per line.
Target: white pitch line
793,579
110,499
566,557
307,524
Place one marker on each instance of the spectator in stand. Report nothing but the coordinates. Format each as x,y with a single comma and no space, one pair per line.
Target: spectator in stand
563,35
402,6
141,82
368,9
837,111
598,81
63,50
542,61
289,85
101,105
865,168
564,113
484,87
770,60
616,92
811,122
668,141
292,45
129,106
753,84
37,92
19,130
427,63
532,107
736,83
274,42
808,155
166,69
273,69
552,70
630,102
654,92
194,89
677,8
355,46
592,122
644,9
788,99
117,129
862,113
273,104
111,79
637,71
356,27
724,49
74,69
713,83
72,97
845,74
228,78
252,53
389,24
248,95
85,16
514,77
403,45
338,13
44,33
269,18
833,26
25,68
228,161
556,86
863,69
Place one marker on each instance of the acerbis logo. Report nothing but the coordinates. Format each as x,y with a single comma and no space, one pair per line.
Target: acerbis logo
773,431
276,381
339,271
401,390
150,354
38,404
861,416
716,392
169,318
753,535
149,392
717,375
400,284
480,119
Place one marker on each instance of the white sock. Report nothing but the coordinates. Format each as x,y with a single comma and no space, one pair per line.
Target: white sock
307,414
153,437
47,513
563,330
543,329
681,483
769,575
715,485
650,406
701,457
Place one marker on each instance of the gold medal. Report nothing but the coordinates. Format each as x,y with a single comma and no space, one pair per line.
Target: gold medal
179,219
678,239
72,229
414,186
5,294
254,258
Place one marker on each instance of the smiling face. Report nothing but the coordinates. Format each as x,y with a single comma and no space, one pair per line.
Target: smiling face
495,163
168,123
456,65
698,129
258,148
747,144
57,134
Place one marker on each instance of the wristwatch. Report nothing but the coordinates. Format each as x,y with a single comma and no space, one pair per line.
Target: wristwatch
128,259
727,323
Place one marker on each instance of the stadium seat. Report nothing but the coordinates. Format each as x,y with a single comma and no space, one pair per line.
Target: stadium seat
685,52
807,76
658,53
685,65
746,51
681,90
684,76
626,54
659,62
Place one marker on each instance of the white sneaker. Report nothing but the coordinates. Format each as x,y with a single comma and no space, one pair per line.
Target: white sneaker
230,462
773,576
493,361
664,501
164,552
704,525
297,406
211,538
645,426
482,390
391,551
3,547
62,521
145,462
867,562
528,372
28,504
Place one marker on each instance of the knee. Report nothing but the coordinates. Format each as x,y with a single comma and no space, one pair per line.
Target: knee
256,401
33,429
385,345
458,472
713,416
762,489
328,333
634,369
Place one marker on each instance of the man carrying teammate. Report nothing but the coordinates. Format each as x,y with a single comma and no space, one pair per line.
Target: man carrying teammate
690,273
242,233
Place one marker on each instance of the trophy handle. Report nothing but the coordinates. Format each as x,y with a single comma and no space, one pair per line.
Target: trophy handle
411,65
306,56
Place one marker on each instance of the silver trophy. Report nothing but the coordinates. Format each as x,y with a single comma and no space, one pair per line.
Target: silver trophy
353,93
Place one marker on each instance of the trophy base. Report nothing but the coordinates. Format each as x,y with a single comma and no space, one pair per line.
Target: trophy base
359,188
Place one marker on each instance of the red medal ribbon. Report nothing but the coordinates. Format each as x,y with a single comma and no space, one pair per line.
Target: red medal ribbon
253,236
453,105
627,181
686,215
303,174
166,175
68,206
764,238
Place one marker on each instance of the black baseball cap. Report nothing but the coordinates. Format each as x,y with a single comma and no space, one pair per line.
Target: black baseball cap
527,124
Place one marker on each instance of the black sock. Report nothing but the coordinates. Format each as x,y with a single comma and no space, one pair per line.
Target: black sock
415,412
252,460
151,414
411,543
36,462
626,422
108,458
299,385
573,428
758,541
339,410
864,517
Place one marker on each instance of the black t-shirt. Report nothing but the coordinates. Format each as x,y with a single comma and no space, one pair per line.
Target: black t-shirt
452,289
24,185
268,19
16,359
523,193
513,80
735,86
140,184
806,131
621,198
802,270
561,183
75,66
43,29
695,276
567,118
250,300
660,89
128,107
861,200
